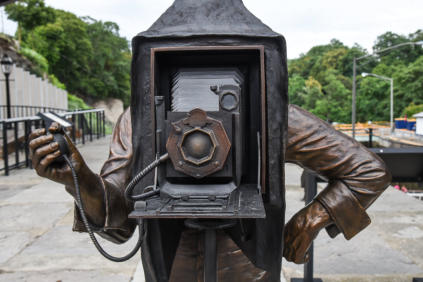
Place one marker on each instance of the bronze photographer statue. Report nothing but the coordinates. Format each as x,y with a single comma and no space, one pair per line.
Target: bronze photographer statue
187,40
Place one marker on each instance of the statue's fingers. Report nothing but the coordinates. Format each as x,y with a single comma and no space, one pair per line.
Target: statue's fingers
54,127
298,250
302,254
37,133
42,151
39,141
47,160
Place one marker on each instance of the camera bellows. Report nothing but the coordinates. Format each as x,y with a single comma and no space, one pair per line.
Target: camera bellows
191,87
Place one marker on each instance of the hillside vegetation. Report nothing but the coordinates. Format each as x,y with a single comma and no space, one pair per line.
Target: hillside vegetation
88,56
90,59
321,80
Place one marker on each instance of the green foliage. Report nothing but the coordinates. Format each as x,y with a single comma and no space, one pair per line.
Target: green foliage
76,103
321,80
412,109
39,61
53,80
30,13
408,85
88,56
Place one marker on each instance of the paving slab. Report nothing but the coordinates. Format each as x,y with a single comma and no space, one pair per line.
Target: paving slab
11,243
36,217
65,276
60,248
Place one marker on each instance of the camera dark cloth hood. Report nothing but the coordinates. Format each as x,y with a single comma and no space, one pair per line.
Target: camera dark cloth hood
213,23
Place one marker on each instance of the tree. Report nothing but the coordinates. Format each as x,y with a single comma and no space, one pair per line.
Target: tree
296,89
111,67
336,100
87,55
29,14
67,47
321,80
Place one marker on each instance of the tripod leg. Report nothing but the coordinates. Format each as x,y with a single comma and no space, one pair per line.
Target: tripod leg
210,255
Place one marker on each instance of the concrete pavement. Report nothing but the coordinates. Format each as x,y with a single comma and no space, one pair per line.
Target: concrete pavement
36,240
390,249
37,244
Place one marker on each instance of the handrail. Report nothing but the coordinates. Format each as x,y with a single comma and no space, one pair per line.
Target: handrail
18,119
26,110
15,133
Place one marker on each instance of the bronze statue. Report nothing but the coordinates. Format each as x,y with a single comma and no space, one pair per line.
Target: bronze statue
173,252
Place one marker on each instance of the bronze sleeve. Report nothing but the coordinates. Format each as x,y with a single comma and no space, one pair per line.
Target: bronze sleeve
115,175
356,175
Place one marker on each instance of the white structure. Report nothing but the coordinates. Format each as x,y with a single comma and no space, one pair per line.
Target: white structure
419,123
29,90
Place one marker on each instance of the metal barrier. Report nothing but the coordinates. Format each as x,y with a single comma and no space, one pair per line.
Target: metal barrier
26,111
310,190
361,132
86,125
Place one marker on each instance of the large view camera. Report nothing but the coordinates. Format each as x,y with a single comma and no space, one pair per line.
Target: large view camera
209,123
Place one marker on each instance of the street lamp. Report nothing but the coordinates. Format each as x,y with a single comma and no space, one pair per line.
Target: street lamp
391,80
7,66
354,95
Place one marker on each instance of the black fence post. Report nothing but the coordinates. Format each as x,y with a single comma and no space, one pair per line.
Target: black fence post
97,124
5,150
81,125
15,125
310,190
27,130
104,123
310,193
73,129
370,137
91,126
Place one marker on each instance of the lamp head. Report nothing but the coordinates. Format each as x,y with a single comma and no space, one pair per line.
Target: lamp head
364,74
6,64
419,43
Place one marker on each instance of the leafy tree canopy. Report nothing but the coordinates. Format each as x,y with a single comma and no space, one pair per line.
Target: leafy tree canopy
88,56
321,80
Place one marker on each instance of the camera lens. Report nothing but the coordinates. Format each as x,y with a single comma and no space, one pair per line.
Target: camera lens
197,145
229,101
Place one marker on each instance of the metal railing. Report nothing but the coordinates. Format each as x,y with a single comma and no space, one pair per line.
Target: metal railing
362,132
26,111
86,125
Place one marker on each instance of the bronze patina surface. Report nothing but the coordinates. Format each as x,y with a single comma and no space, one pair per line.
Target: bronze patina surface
356,178
198,140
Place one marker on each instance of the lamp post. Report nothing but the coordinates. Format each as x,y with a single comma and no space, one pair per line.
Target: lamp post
354,86
391,80
7,66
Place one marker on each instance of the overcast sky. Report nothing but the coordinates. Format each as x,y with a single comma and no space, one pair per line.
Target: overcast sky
304,23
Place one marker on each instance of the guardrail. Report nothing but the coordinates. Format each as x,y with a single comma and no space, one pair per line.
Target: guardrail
362,132
86,125
26,111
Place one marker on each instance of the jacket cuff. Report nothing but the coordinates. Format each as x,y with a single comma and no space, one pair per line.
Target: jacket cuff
118,227
344,209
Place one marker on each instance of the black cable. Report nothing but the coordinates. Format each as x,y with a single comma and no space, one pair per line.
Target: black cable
139,176
87,224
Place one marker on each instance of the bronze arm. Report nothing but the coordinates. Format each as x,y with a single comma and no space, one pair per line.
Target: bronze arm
356,175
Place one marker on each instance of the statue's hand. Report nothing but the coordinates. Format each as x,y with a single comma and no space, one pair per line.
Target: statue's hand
302,229
44,151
